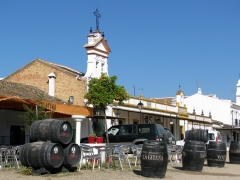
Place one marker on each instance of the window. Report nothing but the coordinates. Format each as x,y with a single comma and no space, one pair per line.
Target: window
236,121
128,130
144,130
102,66
211,136
228,138
113,131
120,122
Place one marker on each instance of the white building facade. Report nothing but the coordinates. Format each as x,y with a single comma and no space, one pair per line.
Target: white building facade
225,113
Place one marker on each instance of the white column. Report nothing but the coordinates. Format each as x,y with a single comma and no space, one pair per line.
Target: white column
78,120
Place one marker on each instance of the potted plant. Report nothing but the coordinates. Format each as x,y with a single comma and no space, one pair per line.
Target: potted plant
91,138
99,140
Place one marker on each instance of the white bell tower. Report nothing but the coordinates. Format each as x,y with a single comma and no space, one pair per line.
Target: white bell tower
180,98
97,51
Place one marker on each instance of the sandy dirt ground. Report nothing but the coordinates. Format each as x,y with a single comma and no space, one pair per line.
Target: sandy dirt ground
230,171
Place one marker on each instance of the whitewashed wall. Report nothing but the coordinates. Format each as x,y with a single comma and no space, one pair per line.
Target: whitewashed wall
220,110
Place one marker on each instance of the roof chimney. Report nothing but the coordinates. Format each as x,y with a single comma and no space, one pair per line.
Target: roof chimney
51,84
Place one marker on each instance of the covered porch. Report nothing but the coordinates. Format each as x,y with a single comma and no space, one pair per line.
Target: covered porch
11,125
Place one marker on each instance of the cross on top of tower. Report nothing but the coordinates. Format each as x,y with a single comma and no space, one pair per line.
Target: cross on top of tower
96,13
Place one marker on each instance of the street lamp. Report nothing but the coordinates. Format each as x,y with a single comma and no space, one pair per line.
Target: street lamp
140,107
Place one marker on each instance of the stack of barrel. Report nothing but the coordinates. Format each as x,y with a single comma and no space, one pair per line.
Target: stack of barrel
50,150
194,150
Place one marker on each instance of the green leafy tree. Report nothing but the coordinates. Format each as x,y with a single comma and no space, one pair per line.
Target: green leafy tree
38,113
104,91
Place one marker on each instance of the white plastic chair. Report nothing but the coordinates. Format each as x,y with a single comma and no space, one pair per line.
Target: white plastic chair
17,151
175,154
179,153
87,154
3,152
108,151
137,151
11,157
120,153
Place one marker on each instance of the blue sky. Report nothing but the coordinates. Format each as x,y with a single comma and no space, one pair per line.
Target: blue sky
156,45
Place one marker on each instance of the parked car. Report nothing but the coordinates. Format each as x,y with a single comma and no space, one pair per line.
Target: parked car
136,134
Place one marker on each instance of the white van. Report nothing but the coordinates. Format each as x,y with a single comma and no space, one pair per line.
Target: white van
214,136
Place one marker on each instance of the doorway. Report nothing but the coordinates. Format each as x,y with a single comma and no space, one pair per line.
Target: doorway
172,129
182,132
17,135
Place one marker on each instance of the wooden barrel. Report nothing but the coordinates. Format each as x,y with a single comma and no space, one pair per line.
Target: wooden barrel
216,154
234,152
193,155
197,135
154,159
54,130
71,155
23,151
41,154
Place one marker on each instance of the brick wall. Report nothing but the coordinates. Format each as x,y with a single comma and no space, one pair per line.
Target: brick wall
36,74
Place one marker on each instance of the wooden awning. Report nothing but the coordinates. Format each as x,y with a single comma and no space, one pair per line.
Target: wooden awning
73,110
60,110
14,103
